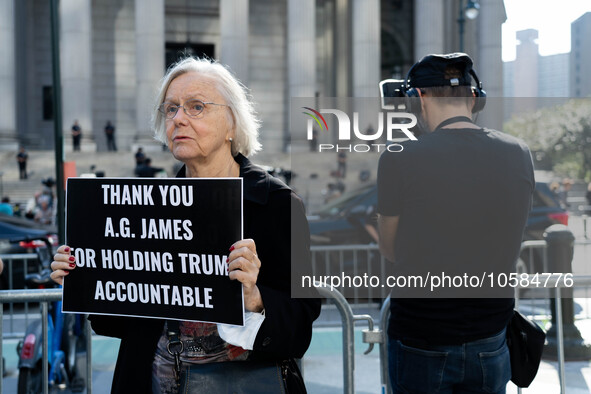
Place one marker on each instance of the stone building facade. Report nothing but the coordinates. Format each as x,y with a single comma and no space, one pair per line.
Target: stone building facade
114,52
580,57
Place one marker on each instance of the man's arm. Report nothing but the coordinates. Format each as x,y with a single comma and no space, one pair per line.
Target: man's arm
387,227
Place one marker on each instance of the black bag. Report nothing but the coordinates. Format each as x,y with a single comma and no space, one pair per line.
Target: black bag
244,377
292,377
525,340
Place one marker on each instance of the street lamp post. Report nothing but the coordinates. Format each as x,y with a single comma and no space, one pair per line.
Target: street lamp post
471,12
57,119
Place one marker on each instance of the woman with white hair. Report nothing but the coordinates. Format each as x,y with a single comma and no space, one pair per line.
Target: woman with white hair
204,115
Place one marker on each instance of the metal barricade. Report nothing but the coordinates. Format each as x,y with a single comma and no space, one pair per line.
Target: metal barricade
531,247
585,218
11,262
351,261
348,319
44,297
556,284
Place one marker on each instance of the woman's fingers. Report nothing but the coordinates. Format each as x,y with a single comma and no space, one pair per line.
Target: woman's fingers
58,276
246,249
244,264
244,243
242,268
62,263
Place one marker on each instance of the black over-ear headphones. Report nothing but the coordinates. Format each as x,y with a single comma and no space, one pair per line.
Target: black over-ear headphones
478,92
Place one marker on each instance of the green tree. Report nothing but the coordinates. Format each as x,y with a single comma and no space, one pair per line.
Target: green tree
562,132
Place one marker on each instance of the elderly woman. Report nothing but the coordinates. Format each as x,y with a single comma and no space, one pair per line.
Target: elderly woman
205,116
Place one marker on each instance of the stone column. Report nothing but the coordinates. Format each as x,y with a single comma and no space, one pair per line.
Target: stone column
301,56
301,47
342,53
366,48
234,37
150,62
489,64
429,27
8,135
76,69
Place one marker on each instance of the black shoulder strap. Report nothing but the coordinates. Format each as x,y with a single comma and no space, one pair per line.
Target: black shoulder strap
173,327
175,347
455,119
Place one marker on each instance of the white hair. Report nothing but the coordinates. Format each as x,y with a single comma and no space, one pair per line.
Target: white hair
243,115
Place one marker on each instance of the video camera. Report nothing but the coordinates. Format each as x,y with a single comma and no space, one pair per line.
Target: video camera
392,92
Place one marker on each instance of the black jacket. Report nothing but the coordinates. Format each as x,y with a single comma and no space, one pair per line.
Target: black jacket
271,211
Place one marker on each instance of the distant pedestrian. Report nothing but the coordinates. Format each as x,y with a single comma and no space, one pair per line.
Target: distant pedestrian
146,170
21,158
588,195
76,135
567,184
5,207
342,164
16,211
47,191
555,188
314,140
140,156
110,133
44,212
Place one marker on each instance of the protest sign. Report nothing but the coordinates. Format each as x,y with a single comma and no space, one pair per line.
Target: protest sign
154,248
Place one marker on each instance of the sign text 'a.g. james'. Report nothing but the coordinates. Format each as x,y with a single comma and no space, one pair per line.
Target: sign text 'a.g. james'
154,248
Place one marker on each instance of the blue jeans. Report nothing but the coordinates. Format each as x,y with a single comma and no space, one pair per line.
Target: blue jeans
230,377
482,366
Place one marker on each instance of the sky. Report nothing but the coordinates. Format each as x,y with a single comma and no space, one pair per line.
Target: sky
552,19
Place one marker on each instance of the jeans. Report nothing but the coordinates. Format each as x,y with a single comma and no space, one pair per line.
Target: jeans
482,366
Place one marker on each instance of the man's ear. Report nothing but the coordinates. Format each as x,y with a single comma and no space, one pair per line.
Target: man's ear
473,101
421,97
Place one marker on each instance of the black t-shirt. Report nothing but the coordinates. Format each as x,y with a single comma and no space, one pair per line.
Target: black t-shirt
463,197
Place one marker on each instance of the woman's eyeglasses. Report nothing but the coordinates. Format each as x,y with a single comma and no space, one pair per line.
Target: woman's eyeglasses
192,108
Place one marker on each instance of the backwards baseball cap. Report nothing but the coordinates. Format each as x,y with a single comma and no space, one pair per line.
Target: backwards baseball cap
435,70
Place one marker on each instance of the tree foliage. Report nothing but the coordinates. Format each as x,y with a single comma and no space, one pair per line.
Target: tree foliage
562,133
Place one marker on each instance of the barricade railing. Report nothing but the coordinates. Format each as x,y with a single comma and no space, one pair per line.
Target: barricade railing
11,262
44,297
348,320
351,261
585,217
528,251
327,255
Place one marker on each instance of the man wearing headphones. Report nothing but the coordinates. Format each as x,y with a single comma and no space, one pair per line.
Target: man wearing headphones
452,203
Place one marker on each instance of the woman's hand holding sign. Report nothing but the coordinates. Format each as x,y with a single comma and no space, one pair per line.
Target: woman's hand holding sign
62,263
244,266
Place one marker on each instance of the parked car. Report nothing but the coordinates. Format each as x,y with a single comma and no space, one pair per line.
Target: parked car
13,228
341,221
